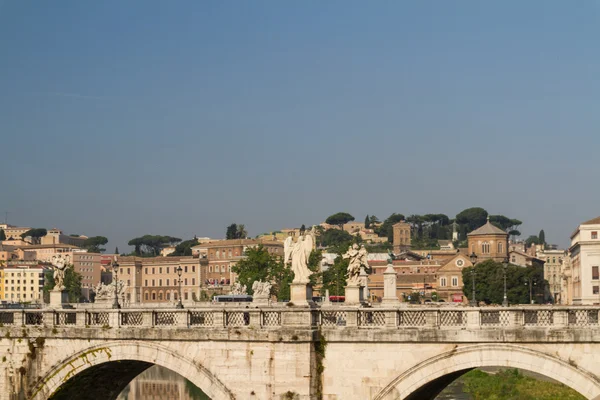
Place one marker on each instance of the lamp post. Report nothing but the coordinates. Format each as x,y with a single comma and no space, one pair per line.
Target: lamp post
115,266
504,268
473,258
531,282
179,303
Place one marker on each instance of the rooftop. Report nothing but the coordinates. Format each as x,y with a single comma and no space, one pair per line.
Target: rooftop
488,229
595,221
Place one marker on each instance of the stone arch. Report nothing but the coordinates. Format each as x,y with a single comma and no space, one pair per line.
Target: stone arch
138,352
446,367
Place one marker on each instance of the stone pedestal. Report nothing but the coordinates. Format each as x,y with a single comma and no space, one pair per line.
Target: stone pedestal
354,295
389,286
364,282
301,294
58,298
260,299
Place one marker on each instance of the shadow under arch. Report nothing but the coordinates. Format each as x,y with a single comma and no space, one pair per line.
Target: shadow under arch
116,363
426,379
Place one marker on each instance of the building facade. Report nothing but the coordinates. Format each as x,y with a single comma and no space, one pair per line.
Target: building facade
585,262
553,264
23,282
89,266
488,243
402,237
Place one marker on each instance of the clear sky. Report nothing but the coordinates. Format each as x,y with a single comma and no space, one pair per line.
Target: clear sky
123,118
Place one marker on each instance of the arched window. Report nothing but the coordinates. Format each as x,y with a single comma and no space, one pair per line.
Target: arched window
473,248
146,296
222,268
153,296
485,248
168,296
500,247
210,268
443,281
160,295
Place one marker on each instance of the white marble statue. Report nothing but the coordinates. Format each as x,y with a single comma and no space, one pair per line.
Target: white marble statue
238,289
358,258
105,292
261,289
59,265
299,253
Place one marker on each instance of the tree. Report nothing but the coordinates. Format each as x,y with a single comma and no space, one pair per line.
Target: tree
489,282
542,237
367,222
72,284
336,237
235,231
116,250
184,248
339,219
93,244
386,229
35,234
531,240
334,278
2,235
260,265
373,220
151,245
473,218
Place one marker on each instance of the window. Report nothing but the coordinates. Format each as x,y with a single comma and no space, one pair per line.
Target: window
454,281
185,269
472,248
168,296
167,284
128,282
595,273
185,295
152,270
160,283
146,272
443,281
152,282
595,235
146,296
153,296
500,247
185,281
222,268
210,269
160,295
595,289
146,283
193,268
193,281
167,270
485,248
128,270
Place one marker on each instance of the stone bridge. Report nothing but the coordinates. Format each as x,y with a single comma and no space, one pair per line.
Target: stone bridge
260,353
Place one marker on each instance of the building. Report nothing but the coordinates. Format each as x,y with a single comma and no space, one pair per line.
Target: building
14,232
222,255
411,276
155,279
402,237
524,260
89,266
23,282
449,279
488,242
585,262
553,264
56,236
45,252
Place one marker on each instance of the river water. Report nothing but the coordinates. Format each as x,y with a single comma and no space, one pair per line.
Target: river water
158,383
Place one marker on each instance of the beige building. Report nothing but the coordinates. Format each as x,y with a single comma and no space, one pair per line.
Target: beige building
45,252
553,263
488,242
402,237
585,262
524,259
87,265
14,232
23,282
56,236
449,279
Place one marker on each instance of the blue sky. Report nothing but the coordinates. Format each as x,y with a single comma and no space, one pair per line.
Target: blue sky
179,118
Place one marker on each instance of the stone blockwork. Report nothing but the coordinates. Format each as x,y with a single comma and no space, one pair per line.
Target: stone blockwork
275,353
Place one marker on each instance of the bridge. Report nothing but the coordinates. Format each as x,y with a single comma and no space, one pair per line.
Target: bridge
278,352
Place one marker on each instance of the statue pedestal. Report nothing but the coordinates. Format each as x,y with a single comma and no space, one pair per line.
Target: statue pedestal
260,299
301,294
389,286
354,295
58,298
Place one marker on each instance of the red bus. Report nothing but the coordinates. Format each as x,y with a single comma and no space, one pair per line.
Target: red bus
337,299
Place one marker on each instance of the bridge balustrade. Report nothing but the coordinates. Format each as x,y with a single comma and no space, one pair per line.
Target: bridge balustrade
326,317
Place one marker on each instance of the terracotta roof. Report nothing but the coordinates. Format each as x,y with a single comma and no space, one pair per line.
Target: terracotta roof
488,229
595,221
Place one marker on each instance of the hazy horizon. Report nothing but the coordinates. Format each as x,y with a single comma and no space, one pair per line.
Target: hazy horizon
144,117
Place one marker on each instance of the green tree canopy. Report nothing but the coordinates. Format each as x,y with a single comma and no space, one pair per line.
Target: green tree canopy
260,265
489,283
542,237
151,245
184,248
72,284
339,219
531,240
472,218
367,222
35,234
236,231
386,228
116,250
93,244
2,235
336,237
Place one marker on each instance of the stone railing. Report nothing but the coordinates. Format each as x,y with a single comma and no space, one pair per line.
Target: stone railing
325,317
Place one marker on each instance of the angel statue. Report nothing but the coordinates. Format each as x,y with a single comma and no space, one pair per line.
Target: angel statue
59,264
261,289
299,253
358,259
238,289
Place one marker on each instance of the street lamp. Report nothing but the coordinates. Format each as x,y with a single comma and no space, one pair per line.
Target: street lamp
115,266
179,304
504,268
531,282
473,258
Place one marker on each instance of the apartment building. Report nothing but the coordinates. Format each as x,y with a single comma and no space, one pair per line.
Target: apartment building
553,270
89,266
23,282
585,262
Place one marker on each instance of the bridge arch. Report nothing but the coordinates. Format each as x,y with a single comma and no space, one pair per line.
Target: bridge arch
429,377
131,357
